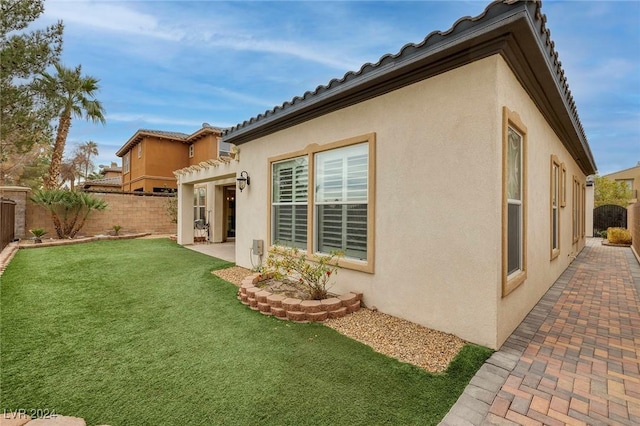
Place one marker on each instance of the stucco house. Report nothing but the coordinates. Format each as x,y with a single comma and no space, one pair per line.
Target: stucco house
149,157
451,173
631,177
110,180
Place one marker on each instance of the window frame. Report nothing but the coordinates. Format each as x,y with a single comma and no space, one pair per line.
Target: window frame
191,150
584,210
140,150
555,176
199,207
293,203
126,163
367,265
575,213
510,282
563,186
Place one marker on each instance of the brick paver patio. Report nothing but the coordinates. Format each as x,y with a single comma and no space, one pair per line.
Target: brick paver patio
575,359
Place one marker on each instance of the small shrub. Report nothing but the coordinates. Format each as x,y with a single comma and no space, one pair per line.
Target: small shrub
619,236
172,209
116,229
603,234
313,272
37,234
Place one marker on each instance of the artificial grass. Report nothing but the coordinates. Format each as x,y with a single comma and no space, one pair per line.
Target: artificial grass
139,332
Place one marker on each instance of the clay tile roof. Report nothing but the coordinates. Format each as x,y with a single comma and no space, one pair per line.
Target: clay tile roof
113,181
470,38
174,136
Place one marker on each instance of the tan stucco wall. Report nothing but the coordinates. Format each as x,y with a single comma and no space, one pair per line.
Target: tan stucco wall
438,201
437,225
160,157
542,143
204,149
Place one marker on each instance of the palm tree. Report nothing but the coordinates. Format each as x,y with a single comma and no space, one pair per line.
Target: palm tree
69,172
85,152
73,95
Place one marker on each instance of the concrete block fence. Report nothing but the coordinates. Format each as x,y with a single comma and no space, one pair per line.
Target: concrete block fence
135,214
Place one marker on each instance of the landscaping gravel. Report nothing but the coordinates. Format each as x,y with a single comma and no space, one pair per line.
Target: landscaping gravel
406,341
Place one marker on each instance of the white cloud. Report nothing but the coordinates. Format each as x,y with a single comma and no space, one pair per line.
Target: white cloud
153,119
109,16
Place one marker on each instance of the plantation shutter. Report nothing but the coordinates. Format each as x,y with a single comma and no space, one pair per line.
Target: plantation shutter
289,202
341,200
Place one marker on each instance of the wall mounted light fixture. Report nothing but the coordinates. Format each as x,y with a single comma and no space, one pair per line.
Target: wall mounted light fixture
244,180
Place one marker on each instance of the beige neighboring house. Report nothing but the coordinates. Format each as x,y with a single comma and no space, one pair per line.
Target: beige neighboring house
631,177
452,174
110,180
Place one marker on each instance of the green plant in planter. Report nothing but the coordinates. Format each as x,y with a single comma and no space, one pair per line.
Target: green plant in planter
37,233
116,229
313,272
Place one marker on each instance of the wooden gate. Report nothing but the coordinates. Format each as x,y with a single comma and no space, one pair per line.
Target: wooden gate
7,221
608,216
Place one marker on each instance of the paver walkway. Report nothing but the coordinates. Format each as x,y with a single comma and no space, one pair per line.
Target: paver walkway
575,359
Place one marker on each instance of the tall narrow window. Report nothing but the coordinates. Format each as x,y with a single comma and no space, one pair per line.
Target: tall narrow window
191,151
289,203
563,186
200,204
555,204
140,150
577,209
514,201
125,163
583,211
341,199
514,216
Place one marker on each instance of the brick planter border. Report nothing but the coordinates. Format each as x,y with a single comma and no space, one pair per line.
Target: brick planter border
296,310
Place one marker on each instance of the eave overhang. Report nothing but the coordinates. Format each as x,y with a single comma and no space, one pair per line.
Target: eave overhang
171,136
516,31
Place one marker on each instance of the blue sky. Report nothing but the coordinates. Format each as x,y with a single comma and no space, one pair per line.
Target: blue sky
173,65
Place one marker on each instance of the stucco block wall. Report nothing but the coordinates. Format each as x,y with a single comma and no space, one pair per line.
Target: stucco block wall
204,149
633,224
133,213
160,157
437,227
542,144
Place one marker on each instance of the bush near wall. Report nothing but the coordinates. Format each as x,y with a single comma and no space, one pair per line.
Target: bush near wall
133,213
618,236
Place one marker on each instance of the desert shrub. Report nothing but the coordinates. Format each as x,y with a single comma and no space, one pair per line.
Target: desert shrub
68,209
603,234
313,272
619,236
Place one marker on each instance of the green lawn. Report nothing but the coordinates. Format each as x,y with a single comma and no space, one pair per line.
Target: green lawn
139,332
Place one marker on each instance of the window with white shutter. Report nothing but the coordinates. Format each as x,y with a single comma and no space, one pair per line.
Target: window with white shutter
322,200
341,199
289,202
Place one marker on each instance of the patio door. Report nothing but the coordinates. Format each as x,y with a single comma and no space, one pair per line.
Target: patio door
229,213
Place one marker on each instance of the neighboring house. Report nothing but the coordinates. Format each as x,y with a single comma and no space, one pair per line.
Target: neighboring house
149,157
110,180
452,174
631,177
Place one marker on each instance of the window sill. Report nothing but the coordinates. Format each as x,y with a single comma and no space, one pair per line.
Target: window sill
510,284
